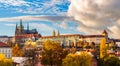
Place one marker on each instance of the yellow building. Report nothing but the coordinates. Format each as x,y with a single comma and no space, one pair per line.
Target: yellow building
72,39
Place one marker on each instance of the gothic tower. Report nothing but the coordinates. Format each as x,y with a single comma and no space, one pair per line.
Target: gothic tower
16,30
53,33
104,33
19,29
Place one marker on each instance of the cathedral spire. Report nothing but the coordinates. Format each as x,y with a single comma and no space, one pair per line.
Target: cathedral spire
53,33
28,26
16,29
21,25
58,33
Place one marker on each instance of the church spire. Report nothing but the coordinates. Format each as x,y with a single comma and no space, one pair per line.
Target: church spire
21,25
16,29
28,28
53,33
58,33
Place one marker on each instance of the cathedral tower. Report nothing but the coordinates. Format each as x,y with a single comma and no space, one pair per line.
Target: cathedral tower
19,29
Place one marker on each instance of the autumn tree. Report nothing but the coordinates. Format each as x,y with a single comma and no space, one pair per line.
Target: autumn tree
111,61
53,53
77,59
103,48
16,51
5,61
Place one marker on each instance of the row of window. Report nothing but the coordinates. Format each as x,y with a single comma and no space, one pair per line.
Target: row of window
5,50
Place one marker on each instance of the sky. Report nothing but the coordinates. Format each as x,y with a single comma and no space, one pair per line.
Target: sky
66,16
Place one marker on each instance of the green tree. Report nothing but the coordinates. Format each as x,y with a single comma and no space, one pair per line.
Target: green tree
110,61
77,59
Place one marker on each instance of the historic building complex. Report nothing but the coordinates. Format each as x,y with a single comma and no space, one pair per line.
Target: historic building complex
73,39
22,34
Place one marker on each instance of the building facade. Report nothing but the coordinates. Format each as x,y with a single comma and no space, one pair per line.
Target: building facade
6,50
73,39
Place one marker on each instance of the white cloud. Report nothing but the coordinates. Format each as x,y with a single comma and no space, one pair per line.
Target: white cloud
96,15
14,2
42,27
10,24
37,18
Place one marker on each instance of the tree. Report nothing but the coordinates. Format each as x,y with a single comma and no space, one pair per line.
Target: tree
112,61
5,61
16,51
29,50
80,44
103,48
77,59
52,53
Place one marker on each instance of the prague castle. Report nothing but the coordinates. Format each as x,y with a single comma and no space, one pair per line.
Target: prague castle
73,39
22,35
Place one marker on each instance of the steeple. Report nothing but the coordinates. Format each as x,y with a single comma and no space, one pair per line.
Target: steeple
53,33
16,29
58,33
104,33
28,28
21,26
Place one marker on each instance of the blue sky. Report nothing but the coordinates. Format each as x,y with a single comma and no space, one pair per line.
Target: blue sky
67,16
44,15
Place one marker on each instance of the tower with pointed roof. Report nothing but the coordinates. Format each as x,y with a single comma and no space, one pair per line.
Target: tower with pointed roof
104,33
53,33
19,29
58,33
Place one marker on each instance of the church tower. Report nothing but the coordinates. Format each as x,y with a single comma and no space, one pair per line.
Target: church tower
53,33
19,29
104,33
16,30
28,29
58,33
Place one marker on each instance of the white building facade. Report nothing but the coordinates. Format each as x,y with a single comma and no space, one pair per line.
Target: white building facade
6,50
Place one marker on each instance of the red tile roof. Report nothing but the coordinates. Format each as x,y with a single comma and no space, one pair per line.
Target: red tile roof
27,36
90,36
3,44
62,35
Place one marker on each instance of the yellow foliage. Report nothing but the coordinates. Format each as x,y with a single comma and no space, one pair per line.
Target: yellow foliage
103,48
5,61
16,51
49,45
30,42
77,59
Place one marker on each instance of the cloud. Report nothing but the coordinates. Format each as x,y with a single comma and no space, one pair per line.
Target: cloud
44,29
96,15
14,3
51,7
41,26
37,18
10,24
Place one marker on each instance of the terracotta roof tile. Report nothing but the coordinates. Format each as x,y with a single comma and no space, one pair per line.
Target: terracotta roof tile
3,44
